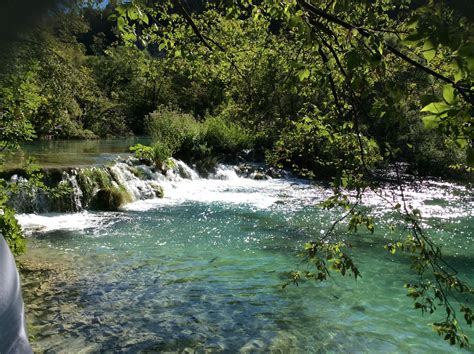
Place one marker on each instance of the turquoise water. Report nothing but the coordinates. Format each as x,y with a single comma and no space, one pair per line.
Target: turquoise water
201,270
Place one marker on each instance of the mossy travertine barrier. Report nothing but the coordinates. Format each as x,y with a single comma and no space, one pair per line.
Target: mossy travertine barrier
105,188
108,188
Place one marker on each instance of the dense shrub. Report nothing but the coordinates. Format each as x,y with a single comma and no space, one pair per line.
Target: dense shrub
313,146
173,128
142,152
161,153
189,139
225,137
11,231
157,154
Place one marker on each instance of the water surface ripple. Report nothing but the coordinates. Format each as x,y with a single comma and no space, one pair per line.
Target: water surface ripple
201,270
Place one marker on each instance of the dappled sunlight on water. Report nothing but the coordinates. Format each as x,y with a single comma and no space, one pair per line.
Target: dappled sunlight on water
202,269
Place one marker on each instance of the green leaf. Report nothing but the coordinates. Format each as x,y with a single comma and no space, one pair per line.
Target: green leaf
413,38
458,76
413,23
132,13
295,21
429,50
431,122
129,37
304,74
436,108
448,94
461,142
121,23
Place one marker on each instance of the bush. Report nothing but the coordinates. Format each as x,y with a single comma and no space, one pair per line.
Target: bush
226,137
432,155
173,128
161,153
142,152
179,134
11,231
157,154
313,146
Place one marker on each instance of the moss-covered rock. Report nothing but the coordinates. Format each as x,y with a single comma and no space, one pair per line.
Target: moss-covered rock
91,180
110,199
159,193
139,173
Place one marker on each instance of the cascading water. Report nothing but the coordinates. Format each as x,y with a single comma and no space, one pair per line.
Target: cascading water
76,193
78,188
179,170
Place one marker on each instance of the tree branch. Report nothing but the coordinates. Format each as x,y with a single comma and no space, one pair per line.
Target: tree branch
465,93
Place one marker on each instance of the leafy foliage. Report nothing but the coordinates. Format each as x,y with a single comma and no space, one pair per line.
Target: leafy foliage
225,137
11,231
187,138
173,128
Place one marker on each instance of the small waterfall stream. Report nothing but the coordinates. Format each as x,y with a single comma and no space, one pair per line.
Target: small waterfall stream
111,187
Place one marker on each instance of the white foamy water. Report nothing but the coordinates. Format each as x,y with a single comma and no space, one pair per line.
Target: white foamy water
226,187
433,199
258,194
54,222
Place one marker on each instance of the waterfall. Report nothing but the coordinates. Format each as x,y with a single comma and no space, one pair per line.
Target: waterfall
110,187
140,184
179,170
94,188
225,172
76,193
26,197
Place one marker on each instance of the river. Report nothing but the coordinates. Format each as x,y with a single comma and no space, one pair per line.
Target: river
201,270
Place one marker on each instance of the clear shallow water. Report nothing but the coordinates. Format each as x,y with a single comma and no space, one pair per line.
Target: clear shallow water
202,270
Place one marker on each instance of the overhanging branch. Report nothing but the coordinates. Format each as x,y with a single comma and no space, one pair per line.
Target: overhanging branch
311,9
